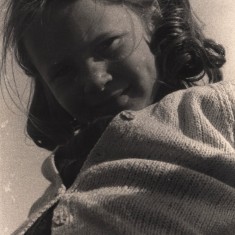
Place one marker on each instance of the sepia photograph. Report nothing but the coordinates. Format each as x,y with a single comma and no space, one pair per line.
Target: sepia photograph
117,117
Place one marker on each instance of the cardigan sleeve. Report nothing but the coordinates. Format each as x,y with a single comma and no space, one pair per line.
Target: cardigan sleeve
167,169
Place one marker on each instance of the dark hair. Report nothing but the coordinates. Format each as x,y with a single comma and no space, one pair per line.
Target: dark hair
182,52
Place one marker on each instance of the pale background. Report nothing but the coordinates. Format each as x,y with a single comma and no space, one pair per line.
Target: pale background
20,161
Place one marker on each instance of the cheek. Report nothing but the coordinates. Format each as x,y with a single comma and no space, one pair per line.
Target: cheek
147,60
140,69
143,75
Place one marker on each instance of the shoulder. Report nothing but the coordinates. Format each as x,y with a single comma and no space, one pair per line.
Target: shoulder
207,100
218,91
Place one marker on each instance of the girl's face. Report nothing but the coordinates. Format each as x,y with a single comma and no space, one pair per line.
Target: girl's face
94,58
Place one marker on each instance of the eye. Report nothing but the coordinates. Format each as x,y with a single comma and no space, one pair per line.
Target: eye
62,72
63,75
109,48
111,43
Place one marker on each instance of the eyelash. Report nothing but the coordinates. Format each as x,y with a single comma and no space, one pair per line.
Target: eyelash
107,48
60,76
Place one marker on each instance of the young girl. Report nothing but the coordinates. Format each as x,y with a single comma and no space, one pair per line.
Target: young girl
129,157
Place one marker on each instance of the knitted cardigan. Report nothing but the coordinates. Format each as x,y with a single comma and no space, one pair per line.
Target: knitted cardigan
166,169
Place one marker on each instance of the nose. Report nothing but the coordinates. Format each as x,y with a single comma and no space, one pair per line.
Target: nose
95,76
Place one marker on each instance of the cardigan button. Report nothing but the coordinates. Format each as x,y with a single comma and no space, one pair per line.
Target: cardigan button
61,217
61,190
127,115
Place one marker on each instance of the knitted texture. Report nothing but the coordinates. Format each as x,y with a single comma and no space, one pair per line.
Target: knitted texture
166,169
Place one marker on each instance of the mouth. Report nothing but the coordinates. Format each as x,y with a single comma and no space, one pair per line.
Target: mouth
107,96
111,103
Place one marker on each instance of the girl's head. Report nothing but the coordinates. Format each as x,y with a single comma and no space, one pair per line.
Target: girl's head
94,58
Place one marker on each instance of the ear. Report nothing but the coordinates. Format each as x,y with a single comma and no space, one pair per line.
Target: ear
152,21
147,38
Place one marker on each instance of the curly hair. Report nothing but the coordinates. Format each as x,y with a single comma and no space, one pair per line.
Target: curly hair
183,57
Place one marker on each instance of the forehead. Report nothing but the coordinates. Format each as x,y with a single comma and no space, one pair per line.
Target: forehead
74,24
